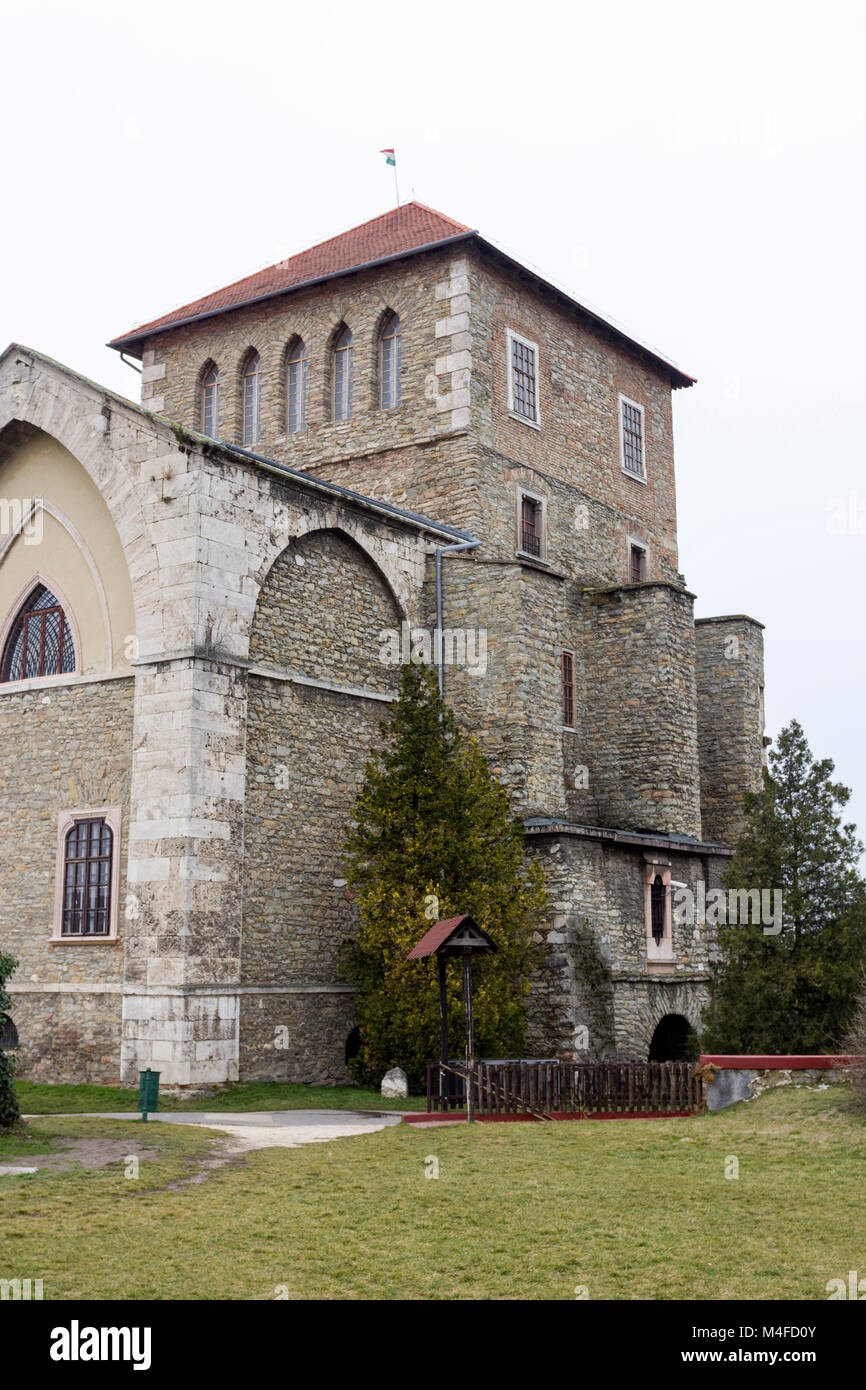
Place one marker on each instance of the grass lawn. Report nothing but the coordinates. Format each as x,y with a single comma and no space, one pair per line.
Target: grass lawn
628,1209
243,1095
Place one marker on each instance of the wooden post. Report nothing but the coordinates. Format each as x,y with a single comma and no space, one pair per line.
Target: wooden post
443,1020
470,1044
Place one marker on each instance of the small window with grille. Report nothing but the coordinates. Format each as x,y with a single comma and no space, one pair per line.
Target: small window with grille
531,525
523,378
636,564
568,689
87,877
631,438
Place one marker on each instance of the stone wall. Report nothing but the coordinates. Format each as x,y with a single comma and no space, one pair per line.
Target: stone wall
730,688
594,971
69,748
321,615
638,727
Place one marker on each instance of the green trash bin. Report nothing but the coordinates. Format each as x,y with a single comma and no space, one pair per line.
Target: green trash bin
148,1091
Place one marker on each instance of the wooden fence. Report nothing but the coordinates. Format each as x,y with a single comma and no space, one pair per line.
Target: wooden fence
547,1089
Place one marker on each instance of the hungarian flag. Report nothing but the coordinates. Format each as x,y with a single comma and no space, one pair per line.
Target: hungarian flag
389,157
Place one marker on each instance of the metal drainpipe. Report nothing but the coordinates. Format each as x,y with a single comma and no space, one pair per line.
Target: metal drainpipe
440,551
130,364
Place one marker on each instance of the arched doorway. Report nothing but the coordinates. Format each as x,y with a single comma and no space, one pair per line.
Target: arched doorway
674,1040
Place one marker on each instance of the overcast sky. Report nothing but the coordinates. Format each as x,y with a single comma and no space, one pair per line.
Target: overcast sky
693,170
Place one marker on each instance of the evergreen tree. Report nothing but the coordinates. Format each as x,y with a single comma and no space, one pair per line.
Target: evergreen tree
433,837
795,991
9,1112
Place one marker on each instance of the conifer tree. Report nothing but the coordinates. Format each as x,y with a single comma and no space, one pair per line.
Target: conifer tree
794,991
433,837
9,1112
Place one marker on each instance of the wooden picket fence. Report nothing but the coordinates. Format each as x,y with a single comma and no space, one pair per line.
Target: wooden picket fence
548,1089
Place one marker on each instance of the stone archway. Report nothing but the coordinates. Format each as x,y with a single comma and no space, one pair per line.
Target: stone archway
318,691
671,1040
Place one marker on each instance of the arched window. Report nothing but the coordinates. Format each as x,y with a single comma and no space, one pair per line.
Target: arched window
252,398
343,376
210,402
87,864
40,643
657,909
297,387
389,362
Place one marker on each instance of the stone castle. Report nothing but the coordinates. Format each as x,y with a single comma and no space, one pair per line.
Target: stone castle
195,598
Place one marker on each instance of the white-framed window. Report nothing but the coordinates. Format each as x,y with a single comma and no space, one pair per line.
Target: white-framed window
632,443
343,371
296,387
252,398
523,401
658,915
390,355
210,401
531,524
87,875
638,561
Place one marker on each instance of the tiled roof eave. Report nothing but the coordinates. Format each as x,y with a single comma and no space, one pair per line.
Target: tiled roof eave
131,341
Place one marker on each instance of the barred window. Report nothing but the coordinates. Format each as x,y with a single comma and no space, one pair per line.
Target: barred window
210,402
637,564
87,866
40,643
524,393
631,425
390,353
568,689
658,895
343,371
252,395
297,387
530,525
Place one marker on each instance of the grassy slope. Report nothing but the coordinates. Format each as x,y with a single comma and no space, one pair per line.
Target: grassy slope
630,1209
247,1095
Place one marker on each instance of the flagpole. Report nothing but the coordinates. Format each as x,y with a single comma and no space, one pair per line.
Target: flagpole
396,184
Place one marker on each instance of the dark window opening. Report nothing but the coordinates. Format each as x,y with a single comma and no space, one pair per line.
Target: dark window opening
40,643
637,564
658,898
8,1034
87,879
530,526
568,689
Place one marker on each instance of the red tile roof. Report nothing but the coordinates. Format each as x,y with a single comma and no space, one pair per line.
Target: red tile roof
401,232
396,233
440,932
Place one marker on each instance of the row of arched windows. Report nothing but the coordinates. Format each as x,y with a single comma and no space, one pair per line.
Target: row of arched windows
342,384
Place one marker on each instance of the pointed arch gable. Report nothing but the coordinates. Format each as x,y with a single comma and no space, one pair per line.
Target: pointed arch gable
65,532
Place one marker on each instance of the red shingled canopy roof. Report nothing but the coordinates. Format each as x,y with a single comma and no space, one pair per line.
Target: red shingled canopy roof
440,931
398,232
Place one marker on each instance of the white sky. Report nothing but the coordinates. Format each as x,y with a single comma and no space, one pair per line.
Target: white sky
693,170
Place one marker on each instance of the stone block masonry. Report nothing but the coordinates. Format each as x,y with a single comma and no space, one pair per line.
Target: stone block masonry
730,689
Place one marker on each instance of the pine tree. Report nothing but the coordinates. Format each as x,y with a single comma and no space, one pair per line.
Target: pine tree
433,837
794,991
9,1112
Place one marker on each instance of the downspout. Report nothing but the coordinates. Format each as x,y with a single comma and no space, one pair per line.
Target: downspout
440,551
130,364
